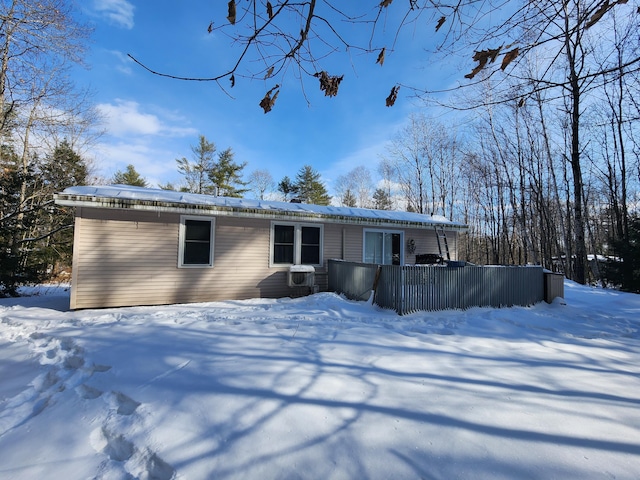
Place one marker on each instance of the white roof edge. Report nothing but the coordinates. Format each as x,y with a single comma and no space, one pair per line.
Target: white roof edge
121,196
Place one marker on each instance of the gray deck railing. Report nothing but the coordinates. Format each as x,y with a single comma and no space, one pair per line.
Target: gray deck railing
353,280
408,289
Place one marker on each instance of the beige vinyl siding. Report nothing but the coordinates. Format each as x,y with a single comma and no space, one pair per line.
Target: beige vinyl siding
131,258
426,241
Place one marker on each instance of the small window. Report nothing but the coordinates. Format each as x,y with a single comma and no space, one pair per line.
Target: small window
310,246
296,244
196,242
283,243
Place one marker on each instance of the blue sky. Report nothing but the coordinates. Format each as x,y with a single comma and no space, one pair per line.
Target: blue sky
150,120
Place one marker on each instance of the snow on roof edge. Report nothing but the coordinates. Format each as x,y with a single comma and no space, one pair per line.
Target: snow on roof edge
139,195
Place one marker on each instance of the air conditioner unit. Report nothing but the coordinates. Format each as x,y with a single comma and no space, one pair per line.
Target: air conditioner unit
301,276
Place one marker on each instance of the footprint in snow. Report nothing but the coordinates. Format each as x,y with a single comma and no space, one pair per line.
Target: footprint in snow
123,404
87,392
70,369
124,456
113,445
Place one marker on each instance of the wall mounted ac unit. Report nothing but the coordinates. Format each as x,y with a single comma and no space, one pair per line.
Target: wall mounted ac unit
301,276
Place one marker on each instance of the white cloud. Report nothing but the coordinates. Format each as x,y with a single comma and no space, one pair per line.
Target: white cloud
119,12
157,165
125,119
147,137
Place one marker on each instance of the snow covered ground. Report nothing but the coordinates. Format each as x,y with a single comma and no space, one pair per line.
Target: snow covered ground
320,388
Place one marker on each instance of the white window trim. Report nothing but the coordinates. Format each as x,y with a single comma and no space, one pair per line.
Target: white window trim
382,230
297,242
181,241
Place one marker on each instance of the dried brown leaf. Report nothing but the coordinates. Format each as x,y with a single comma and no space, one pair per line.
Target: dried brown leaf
509,57
604,8
268,101
232,12
393,96
440,23
473,73
270,10
328,84
385,3
521,103
380,59
482,57
210,28
233,80
269,72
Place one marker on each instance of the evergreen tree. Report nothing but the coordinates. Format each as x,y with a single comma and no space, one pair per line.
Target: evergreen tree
53,236
12,177
63,168
625,270
349,199
129,177
226,176
381,200
35,234
196,173
309,187
286,187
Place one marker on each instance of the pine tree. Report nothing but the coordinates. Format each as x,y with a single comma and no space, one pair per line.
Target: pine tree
381,200
196,173
309,187
53,242
226,176
129,177
625,269
63,168
286,187
349,199
35,234
11,181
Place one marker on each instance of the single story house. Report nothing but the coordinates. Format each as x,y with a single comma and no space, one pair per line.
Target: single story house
142,246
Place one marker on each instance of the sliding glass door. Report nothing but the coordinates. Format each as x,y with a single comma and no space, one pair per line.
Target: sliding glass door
383,247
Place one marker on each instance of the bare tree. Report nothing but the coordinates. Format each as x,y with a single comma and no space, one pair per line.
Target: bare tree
356,187
39,109
286,38
35,38
425,162
261,182
273,41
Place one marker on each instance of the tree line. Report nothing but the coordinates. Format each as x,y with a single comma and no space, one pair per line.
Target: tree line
574,58
45,121
545,170
506,175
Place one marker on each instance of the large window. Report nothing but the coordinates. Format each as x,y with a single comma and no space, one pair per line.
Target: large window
296,244
383,247
196,242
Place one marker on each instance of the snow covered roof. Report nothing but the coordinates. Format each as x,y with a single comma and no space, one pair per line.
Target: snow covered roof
124,196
